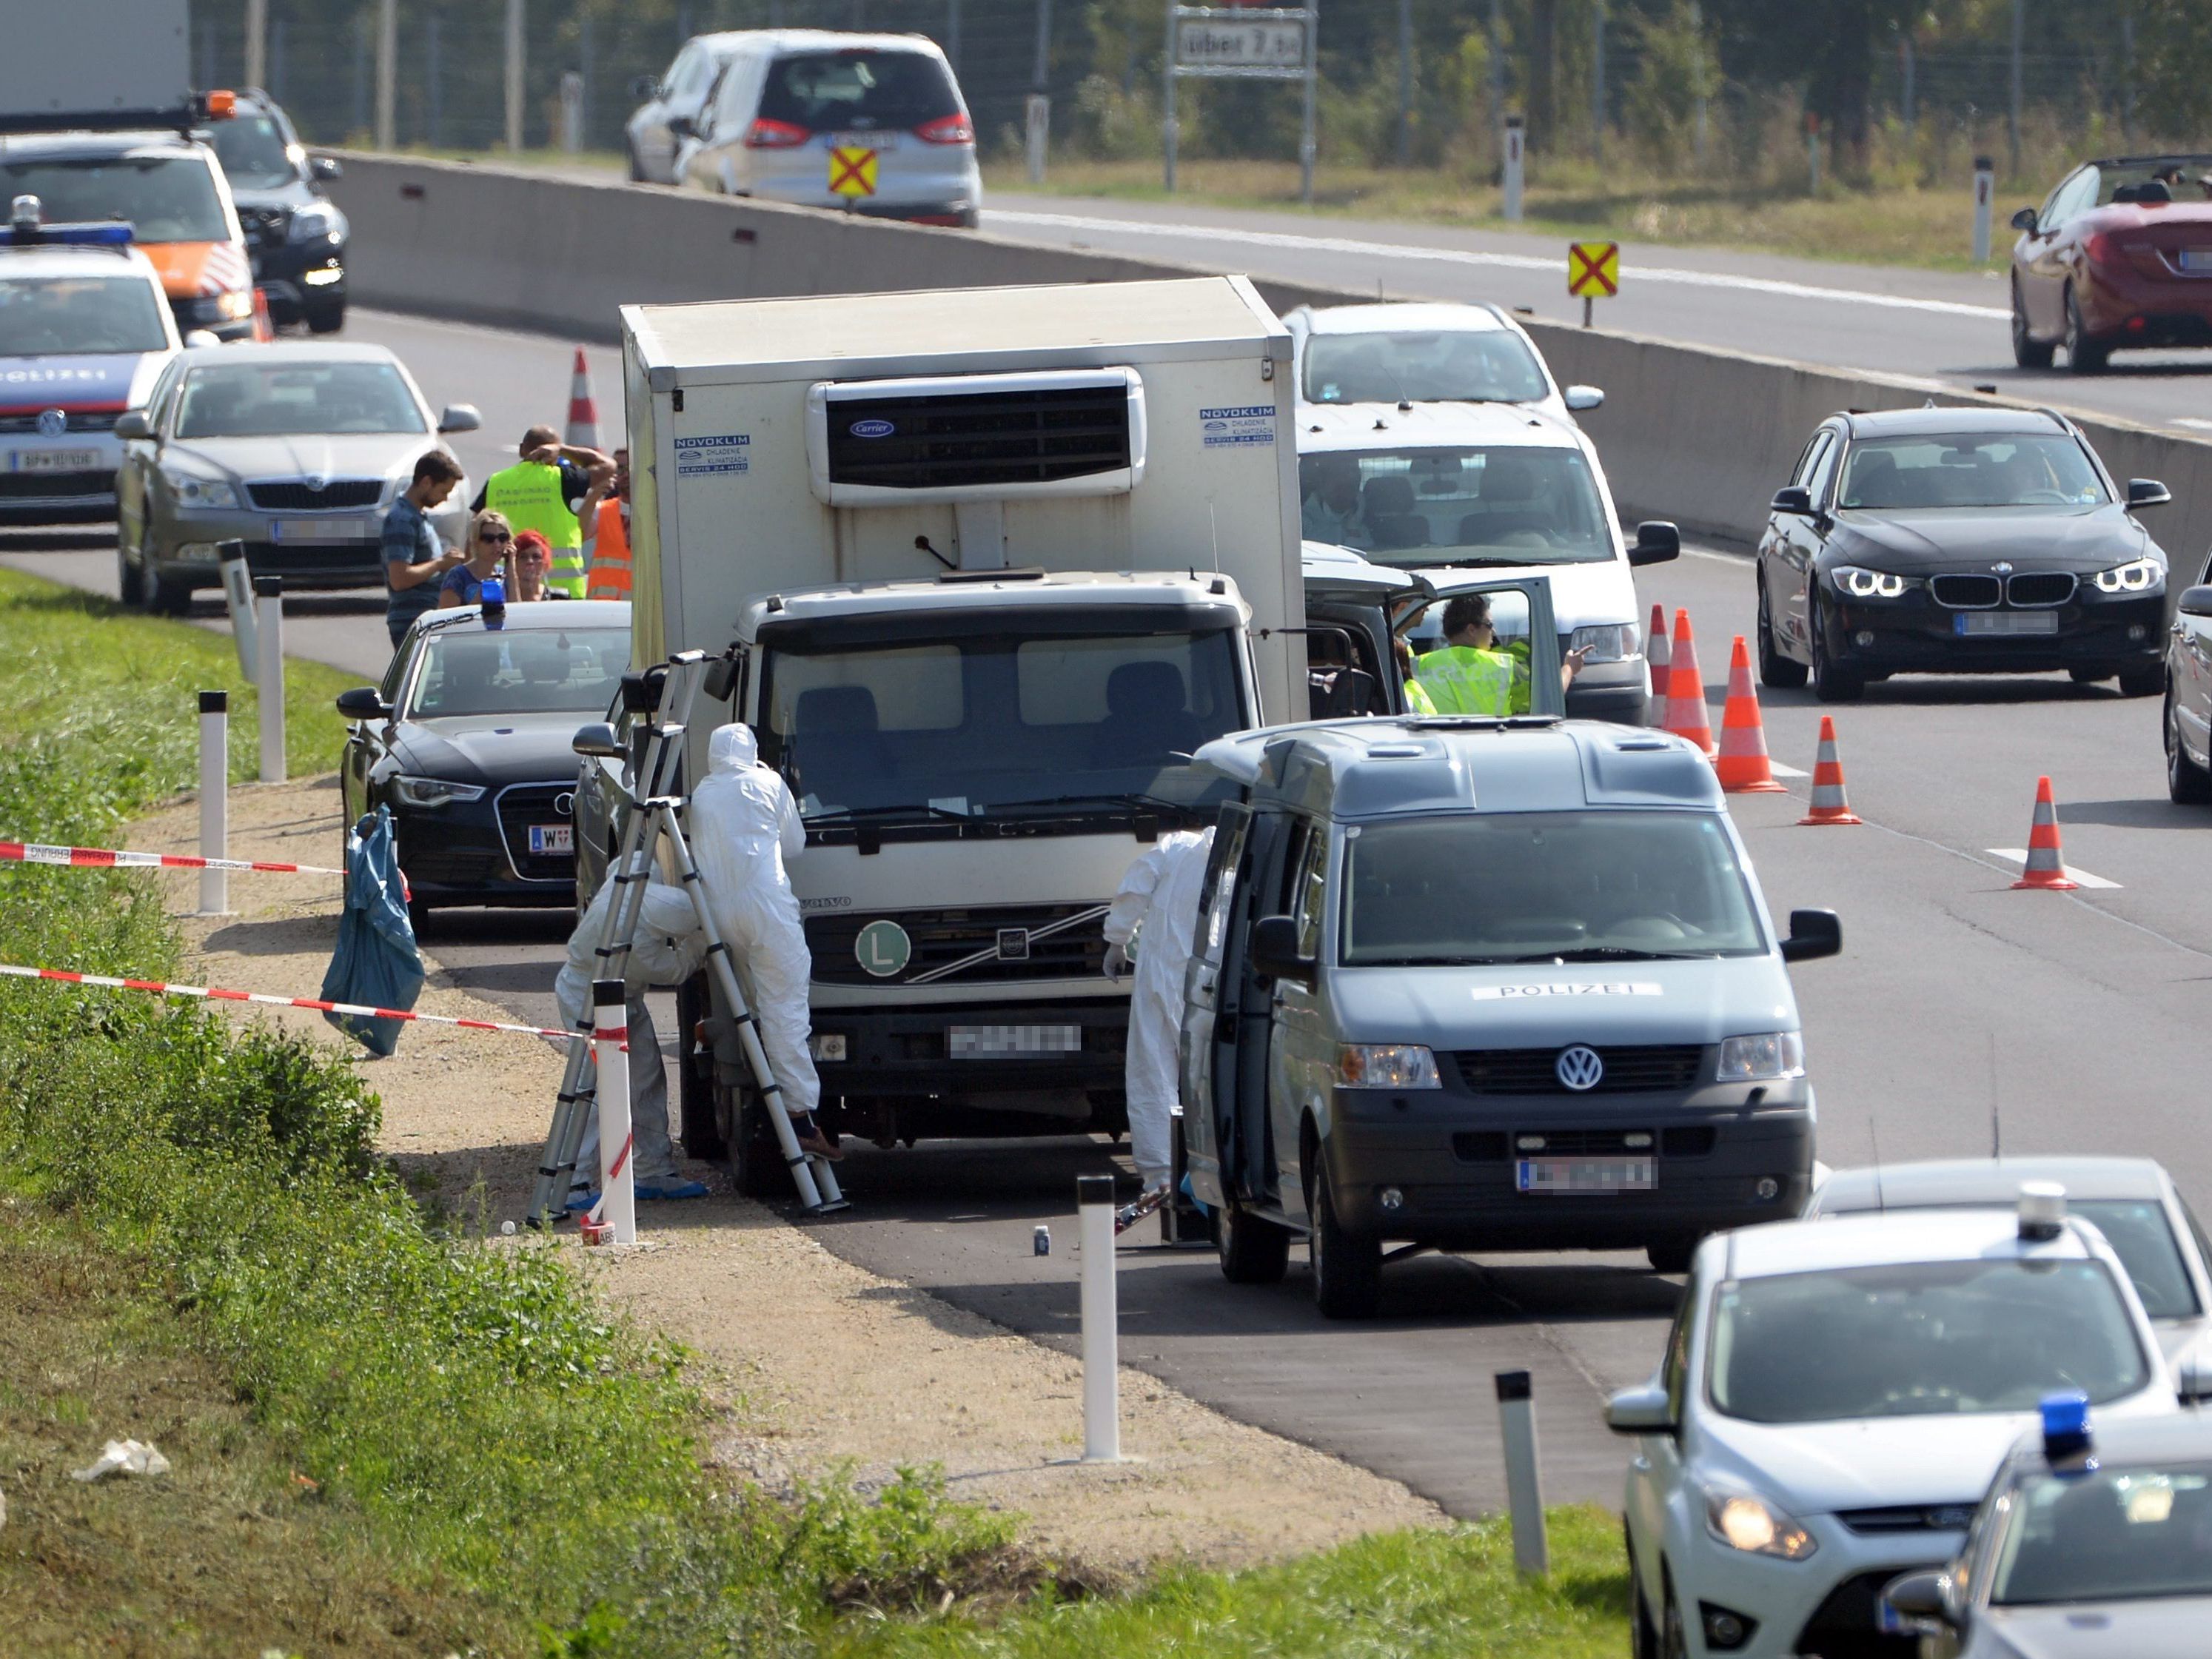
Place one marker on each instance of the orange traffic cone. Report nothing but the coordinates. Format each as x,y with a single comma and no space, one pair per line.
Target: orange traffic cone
265,329
1829,805
583,412
2045,867
1686,688
1656,651
1742,762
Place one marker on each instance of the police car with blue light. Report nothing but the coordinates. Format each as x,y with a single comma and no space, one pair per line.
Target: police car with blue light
84,329
1833,1399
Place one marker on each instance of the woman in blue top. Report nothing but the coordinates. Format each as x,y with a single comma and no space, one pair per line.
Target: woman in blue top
489,536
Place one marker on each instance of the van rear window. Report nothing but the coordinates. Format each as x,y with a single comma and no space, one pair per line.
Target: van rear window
823,91
1511,887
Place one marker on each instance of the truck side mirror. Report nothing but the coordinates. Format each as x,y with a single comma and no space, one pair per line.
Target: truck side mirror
1275,951
1656,542
1813,933
598,741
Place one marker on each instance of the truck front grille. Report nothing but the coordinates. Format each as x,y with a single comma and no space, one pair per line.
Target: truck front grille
1004,938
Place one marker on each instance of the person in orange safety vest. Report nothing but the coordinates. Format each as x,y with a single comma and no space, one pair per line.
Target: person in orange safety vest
606,543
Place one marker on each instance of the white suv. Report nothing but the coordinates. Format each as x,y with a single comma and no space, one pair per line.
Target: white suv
1424,354
1833,1399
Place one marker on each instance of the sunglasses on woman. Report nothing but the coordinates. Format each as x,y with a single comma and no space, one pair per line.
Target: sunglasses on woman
493,536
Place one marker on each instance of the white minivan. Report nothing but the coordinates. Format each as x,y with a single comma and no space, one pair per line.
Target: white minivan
1467,492
873,123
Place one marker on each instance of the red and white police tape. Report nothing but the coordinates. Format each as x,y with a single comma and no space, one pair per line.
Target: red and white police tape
213,993
107,858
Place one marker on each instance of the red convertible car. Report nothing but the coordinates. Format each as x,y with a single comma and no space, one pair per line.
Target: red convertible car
2119,256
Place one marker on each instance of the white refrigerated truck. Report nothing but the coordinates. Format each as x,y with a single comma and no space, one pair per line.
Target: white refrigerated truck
995,562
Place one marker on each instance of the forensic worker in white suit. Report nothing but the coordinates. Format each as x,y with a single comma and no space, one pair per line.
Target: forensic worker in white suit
1156,905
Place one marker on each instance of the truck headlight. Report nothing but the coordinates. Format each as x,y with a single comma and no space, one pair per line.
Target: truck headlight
191,489
1607,641
1743,1521
1386,1066
2135,576
1860,583
433,791
1763,1058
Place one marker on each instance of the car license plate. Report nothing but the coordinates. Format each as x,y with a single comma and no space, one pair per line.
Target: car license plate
55,461
2197,258
552,838
295,531
1585,1175
2005,622
1011,1041
863,141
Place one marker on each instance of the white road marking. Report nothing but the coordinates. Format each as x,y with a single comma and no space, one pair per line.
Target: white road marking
2018,856
2191,420
1781,771
1632,272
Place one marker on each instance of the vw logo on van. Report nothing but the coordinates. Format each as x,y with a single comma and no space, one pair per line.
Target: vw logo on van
53,423
1579,1068
872,429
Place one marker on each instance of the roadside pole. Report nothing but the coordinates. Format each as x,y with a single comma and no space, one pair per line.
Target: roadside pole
513,76
618,1168
1517,140
215,800
387,75
268,676
1985,182
256,43
1101,1406
238,599
1524,1496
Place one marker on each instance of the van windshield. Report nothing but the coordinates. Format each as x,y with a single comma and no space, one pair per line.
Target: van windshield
1511,887
1501,505
1461,365
164,198
1003,725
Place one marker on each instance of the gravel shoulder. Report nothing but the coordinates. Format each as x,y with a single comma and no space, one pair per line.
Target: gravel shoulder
816,1365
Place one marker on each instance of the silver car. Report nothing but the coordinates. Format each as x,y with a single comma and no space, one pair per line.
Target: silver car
655,133
873,123
296,450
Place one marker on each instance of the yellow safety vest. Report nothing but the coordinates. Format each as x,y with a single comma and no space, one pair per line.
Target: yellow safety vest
1418,701
528,493
1461,680
610,573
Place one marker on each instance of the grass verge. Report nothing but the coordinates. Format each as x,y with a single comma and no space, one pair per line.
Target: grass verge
395,1435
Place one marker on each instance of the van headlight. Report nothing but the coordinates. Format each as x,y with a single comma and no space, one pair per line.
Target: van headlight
1386,1066
2135,576
1859,583
1607,641
433,791
1764,1058
1744,1521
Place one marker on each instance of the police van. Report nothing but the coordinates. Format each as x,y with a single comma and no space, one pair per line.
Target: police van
1475,983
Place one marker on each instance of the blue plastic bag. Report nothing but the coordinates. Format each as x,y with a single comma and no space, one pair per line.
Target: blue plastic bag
376,963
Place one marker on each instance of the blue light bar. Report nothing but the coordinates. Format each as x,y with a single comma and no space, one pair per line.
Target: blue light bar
2065,1426
112,233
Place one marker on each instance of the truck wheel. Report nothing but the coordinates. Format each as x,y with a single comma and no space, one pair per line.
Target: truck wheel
1252,1251
1348,1272
756,1161
695,1082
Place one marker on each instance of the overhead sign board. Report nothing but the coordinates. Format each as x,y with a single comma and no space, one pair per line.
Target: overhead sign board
1233,43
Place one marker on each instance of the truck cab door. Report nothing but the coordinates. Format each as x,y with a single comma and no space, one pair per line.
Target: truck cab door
1520,611
1204,1122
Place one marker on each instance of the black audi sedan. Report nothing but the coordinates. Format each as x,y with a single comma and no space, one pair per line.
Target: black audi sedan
1959,541
467,741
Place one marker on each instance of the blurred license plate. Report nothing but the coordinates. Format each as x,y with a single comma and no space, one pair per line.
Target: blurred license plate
2006,621
296,531
1584,1175
863,141
55,460
552,838
1011,1041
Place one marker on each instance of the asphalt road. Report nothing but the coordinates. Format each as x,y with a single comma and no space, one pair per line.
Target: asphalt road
1960,1010
1948,328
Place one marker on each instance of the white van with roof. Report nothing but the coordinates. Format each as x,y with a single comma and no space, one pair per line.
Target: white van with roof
1425,353
1464,493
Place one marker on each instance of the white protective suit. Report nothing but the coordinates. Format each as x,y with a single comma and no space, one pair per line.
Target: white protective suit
1160,894
743,825
667,950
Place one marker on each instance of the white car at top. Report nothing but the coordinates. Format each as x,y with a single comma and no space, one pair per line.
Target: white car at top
1468,493
84,331
1424,354
1835,1396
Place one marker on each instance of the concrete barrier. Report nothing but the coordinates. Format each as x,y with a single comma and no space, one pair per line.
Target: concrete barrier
1702,436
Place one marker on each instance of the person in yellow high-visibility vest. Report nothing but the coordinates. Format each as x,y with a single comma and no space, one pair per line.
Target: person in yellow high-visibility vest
605,517
1473,674
543,492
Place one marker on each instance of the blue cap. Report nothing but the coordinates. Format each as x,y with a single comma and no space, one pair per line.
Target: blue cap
2065,1425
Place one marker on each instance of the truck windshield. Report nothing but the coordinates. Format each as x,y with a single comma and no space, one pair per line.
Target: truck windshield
1000,725
42,316
1512,887
164,198
1911,1339
1465,366
1418,507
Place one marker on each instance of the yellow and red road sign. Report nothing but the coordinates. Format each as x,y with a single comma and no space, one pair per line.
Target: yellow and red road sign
1593,270
852,171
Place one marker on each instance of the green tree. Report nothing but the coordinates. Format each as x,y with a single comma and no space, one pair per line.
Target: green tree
1828,46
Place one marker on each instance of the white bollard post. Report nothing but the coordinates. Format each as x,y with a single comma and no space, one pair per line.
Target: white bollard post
1037,121
238,599
572,111
215,800
1524,1497
269,674
618,1168
1985,190
1516,137
1101,1406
